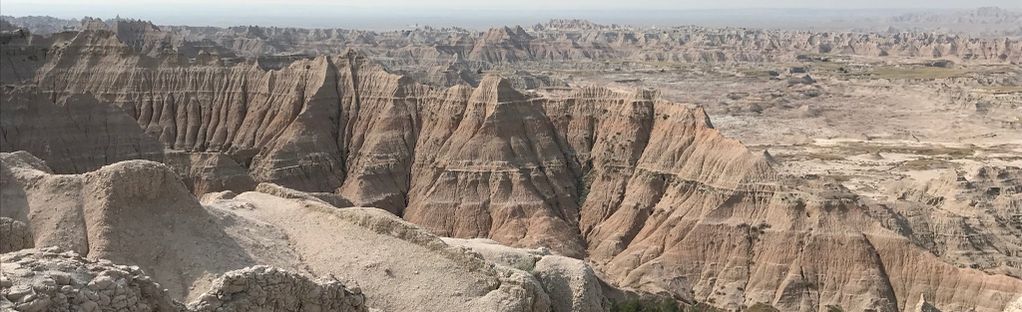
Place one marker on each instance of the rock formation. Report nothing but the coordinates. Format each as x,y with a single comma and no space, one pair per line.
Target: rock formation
50,280
186,246
75,134
562,41
646,190
267,288
16,235
967,218
571,283
511,167
134,212
796,250
1015,306
923,306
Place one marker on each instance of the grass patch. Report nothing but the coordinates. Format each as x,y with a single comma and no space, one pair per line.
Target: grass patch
584,184
762,307
830,67
702,307
755,73
926,150
645,305
1000,89
834,308
926,164
840,178
916,73
825,156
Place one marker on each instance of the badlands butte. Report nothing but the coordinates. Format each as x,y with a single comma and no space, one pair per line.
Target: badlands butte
566,166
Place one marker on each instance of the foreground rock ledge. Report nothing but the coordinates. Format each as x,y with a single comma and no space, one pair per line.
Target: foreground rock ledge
50,279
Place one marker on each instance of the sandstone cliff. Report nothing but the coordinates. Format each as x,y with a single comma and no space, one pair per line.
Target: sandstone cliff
967,218
645,188
75,134
139,213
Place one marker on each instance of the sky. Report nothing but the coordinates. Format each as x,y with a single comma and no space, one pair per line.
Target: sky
393,13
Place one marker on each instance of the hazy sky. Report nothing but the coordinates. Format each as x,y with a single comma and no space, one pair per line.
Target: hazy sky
341,13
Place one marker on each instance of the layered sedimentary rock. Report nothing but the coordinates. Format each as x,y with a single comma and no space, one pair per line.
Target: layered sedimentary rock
571,283
972,219
798,251
22,55
75,134
463,162
559,41
342,124
209,172
449,56
645,188
134,212
556,43
139,213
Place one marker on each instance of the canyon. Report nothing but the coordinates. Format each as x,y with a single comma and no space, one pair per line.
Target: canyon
513,169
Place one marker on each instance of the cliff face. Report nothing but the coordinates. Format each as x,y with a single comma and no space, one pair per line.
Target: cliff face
75,134
139,213
796,250
647,189
462,162
967,218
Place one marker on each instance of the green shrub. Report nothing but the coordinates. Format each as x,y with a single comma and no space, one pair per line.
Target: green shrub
762,307
644,305
834,308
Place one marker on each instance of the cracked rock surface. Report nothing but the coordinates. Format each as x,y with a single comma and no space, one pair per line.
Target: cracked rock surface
49,279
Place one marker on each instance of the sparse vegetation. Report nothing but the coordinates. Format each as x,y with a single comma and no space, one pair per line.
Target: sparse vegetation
825,156
926,164
755,73
855,148
583,185
647,305
762,307
834,308
916,73
1001,89
702,307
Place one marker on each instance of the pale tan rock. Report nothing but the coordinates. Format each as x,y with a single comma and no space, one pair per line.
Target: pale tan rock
571,283
1015,306
647,189
49,279
140,213
967,218
325,198
210,172
923,306
52,280
133,212
268,288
